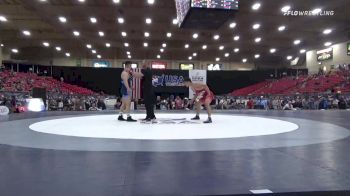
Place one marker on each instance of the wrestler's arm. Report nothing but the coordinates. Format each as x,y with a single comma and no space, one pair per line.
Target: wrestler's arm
195,95
137,74
206,88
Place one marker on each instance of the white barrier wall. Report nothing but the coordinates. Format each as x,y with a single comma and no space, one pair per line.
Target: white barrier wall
118,63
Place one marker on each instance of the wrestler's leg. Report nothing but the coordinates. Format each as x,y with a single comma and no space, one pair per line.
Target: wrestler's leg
207,103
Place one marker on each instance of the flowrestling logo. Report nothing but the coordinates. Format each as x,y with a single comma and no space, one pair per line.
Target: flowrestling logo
316,12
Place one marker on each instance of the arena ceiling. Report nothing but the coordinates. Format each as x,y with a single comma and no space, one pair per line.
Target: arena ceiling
41,19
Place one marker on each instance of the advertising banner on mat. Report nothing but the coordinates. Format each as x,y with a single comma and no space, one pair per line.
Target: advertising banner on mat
4,110
197,76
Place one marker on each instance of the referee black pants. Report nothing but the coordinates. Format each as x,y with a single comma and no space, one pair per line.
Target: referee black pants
149,110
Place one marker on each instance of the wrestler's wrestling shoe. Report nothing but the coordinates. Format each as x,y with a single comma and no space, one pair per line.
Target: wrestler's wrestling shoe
208,121
195,118
121,118
129,119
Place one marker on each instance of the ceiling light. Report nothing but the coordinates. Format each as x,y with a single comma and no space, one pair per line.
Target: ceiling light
46,44
14,50
147,34
302,51
273,50
3,19
76,33
26,33
256,6
189,58
256,26
82,1
126,44
175,21
129,56
257,56
128,53
116,1
244,60
120,20
327,31
204,47
236,50
99,56
233,25
236,38
169,35
101,33
328,44
148,21
150,2
216,37
145,44
316,11
108,45
281,28
187,46
227,54
164,45
221,47
257,40
195,35
124,34
158,56
217,59
161,50
285,8
58,48
93,51
289,57
68,54
194,54
62,19
88,46
2,45
297,42
93,20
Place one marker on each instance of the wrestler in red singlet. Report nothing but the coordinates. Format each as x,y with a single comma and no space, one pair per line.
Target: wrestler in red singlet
203,96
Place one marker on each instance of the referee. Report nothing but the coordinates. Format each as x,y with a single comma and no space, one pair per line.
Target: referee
148,92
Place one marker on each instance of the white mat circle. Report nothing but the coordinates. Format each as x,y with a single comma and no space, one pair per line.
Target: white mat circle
107,126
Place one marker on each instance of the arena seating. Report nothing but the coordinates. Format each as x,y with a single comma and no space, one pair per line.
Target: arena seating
25,82
336,81
250,89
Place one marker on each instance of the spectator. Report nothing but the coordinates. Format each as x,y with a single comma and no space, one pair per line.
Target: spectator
178,103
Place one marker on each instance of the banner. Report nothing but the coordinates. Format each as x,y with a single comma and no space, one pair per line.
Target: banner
197,76
326,54
169,81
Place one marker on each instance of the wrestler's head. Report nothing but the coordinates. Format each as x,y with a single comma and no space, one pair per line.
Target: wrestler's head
187,82
127,66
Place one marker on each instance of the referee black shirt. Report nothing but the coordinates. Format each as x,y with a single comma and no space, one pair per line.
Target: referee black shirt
147,86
